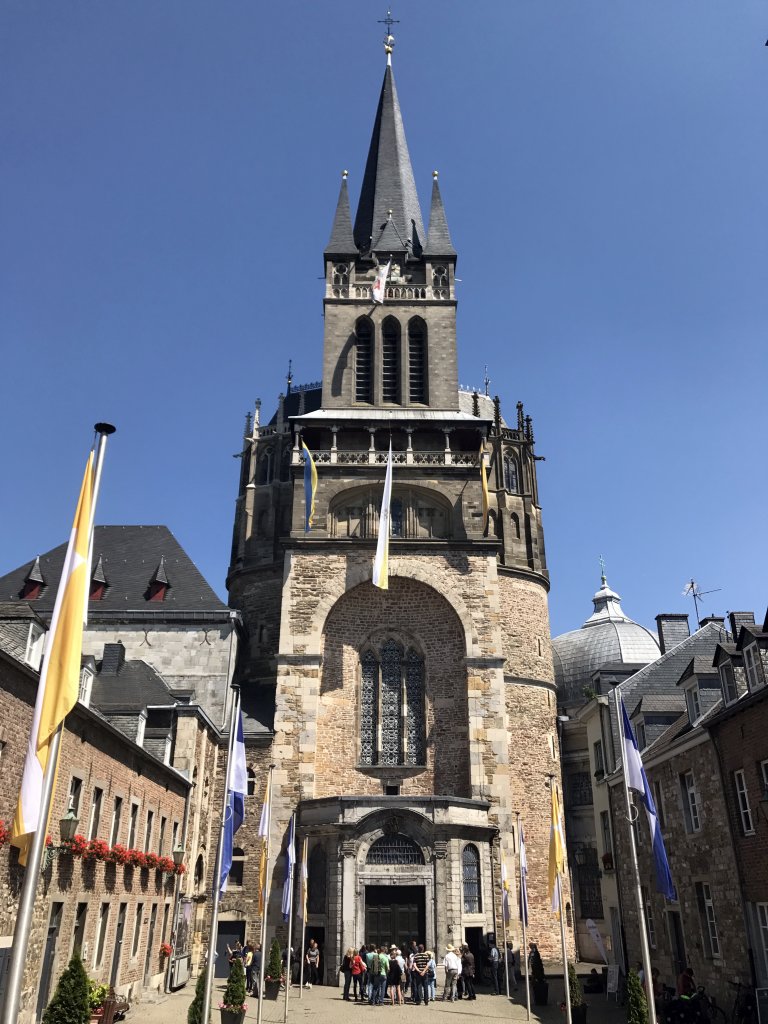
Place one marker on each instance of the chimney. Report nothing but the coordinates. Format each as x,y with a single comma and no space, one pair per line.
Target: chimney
113,659
673,629
739,619
716,620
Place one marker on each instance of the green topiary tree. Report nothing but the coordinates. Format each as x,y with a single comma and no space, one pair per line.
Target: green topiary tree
70,1003
275,964
195,1011
234,993
537,966
637,1007
574,986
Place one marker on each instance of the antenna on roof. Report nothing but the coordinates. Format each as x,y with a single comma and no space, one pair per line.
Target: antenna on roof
692,589
486,379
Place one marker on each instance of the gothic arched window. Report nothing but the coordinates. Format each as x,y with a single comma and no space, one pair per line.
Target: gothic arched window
417,360
251,782
363,360
265,466
390,360
470,872
317,871
511,481
392,713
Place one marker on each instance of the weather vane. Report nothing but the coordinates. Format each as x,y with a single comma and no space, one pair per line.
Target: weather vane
389,39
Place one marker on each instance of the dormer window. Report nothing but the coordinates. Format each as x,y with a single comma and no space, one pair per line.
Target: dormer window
86,683
159,584
754,665
693,703
642,740
34,583
98,581
728,682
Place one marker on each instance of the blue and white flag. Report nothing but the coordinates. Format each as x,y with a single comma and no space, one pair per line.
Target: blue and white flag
288,884
637,780
234,814
523,879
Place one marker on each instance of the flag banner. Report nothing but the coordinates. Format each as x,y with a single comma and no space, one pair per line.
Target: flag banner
291,853
484,484
556,851
637,780
234,814
263,835
523,879
504,890
310,488
380,577
594,934
378,289
304,882
59,684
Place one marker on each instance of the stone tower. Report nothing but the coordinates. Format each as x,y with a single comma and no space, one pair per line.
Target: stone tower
410,724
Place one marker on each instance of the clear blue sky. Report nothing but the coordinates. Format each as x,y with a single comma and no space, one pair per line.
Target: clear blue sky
168,175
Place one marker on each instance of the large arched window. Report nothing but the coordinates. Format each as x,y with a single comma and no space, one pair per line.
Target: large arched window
470,872
397,849
511,476
392,715
417,360
363,360
390,360
317,871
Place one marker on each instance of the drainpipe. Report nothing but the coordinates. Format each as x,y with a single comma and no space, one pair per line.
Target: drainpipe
177,888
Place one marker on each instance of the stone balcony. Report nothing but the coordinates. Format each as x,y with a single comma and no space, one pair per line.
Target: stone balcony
339,457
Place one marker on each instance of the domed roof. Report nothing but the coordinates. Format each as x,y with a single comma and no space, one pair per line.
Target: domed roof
608,635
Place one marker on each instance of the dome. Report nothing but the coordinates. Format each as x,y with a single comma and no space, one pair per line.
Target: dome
608,635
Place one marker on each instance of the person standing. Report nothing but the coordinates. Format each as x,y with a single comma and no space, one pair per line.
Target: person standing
494,959
419,983
255,970
312,960
511,966
468,971
452,966
346,970
358,977
431,975
394,979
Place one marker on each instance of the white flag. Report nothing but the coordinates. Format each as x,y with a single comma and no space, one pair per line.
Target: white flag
379,285
381,562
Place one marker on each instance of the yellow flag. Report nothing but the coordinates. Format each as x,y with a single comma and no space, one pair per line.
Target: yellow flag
380,576
60,673
264,824
484,483
556,851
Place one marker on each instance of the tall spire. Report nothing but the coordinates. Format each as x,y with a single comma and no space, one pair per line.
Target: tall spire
439,237
388,213
342,242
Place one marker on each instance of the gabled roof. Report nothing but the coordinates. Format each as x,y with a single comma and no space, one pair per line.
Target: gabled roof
699,665
129,556
659,704
134,686
35,574
388,182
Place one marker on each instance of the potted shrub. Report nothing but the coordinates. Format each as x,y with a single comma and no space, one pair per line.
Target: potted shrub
96,995
70,1004
233,1005
195,1011
540,984
578,1006
637,1007
273,977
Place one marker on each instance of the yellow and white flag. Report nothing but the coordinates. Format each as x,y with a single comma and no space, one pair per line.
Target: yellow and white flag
60,673
264,836
484,485
304,881
556,851
381,562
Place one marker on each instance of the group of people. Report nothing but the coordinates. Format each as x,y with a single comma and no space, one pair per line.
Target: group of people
374,974
250,954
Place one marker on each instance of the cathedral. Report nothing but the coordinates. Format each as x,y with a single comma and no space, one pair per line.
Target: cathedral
411,728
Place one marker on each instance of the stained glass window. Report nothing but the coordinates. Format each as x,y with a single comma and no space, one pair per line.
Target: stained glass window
392,711
369,708
414,698
391,702
470,871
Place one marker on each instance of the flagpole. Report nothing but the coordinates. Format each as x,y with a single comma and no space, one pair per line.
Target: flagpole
523,915
216,896
566,980
504,912
290,932
35,856
644,948
303,917
264,901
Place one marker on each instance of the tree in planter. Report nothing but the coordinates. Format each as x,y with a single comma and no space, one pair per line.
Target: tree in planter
537,967
234,993
637,1007
275,963
574,987
70,1003
195,1011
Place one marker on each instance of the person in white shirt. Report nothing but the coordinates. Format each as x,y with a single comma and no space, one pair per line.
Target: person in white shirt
452,966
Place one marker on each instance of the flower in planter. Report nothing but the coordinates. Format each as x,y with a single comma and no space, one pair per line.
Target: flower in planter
77,845
118,855
166,865
165,949
96,849
152,860
179,868
137,858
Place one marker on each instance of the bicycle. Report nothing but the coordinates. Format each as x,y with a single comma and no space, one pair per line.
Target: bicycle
743,1011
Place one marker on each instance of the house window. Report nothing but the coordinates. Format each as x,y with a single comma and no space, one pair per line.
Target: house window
417,377
658,799
597,751
690,802
588,878
693,703
317,881
137,929
148,831
650,924
762,923
75,795
117,813
440,282
35,643
754,666
511,478
363,360
728,682
395,849
96,802
86,683
174,836
764,772
470,872
78,932
392,716
133,825
742,798
605,829
251,782
161,838
580,786
707,918
642,741
238,865
390,360
101,935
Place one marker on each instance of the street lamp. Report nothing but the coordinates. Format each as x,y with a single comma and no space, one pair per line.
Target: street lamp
67,831
178,856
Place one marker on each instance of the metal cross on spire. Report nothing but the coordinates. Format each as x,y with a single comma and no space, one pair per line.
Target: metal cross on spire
602,569
486,379
389,21
389,39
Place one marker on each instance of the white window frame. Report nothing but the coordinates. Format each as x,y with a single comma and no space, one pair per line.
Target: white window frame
728,685
650,924
86,685
117,815
693,703
133,824
101,935
709,921
138,923
33,655
658,799
754,667
761,916
742,798
597,752
149,827
691,797
94,819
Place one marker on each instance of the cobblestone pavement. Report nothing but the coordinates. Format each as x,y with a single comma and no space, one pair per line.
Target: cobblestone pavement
323,1005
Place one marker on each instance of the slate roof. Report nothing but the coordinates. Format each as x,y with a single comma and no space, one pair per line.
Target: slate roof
312,400
128,556
680,727
702,666
388,182
135,685
438,237
659,704
342,240
15,618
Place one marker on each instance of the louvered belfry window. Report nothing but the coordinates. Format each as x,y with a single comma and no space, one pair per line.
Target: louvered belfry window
363,361
417,383
392,712
390,360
